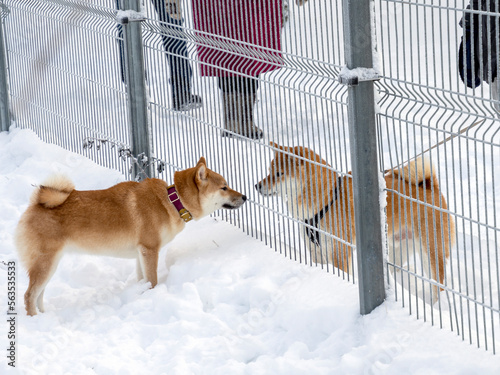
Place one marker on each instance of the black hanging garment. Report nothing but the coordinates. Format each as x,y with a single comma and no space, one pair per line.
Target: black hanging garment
478,52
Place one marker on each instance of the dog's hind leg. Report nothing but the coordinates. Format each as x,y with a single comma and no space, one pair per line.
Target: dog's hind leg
437,268
31,297
138,269
39,301
149,261
39,273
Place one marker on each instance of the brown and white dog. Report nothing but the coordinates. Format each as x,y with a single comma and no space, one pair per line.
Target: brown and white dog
417,217
128,220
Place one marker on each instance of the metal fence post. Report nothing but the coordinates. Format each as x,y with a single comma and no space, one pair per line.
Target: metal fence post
140,130
363,143
4,92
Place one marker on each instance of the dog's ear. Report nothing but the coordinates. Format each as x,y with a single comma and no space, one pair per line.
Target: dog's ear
293,150
275,145
202,161
201,170
282,148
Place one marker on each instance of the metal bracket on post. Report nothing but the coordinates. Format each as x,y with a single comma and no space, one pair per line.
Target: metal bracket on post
126,16
364,155
5,119
352,77
140,130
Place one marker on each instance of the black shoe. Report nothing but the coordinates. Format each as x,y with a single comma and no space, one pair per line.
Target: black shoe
188,103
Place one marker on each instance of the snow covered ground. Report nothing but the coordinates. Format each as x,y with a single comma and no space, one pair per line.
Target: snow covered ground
225,303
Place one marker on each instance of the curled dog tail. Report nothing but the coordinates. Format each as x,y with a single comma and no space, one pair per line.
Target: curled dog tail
53,192
417,171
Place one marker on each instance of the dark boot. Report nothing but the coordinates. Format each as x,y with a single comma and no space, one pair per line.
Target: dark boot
183,99
238,115
187,102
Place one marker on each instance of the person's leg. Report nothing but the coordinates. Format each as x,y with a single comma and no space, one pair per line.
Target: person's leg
175,45
238,99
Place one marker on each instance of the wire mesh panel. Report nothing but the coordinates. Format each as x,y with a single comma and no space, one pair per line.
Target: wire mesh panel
64,74
265,72
425,107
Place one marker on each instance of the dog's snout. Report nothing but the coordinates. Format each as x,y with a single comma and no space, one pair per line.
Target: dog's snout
244,197
258,186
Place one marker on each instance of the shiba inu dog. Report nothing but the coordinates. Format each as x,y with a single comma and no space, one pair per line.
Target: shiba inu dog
417,217
128,220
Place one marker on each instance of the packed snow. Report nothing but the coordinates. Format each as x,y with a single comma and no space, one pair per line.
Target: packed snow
225,303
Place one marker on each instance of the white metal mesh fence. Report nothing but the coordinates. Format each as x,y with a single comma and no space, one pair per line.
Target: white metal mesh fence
293,105
423,104
63,68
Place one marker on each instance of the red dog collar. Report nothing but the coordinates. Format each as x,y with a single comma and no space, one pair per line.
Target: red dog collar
174,199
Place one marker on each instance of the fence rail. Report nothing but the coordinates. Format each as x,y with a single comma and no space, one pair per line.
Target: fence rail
69,68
